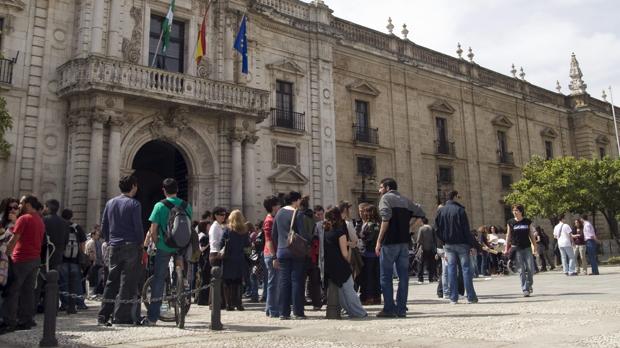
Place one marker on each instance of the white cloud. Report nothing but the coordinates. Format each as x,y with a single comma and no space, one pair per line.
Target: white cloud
538,35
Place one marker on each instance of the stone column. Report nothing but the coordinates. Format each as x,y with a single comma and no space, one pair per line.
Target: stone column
236,194
249,184
94,172
96,36
114,157
114,26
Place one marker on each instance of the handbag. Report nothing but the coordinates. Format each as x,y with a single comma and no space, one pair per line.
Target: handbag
297,245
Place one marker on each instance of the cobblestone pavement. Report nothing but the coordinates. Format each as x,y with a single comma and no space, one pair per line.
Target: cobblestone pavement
580,311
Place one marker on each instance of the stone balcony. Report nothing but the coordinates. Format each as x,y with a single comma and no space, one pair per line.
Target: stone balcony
109,75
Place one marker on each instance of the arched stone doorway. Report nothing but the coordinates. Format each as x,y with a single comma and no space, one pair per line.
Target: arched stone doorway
155,161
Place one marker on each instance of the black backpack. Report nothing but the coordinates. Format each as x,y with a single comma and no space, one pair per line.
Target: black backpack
179,231
259,242
544,239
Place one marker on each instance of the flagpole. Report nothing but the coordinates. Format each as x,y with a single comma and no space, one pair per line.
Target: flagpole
613,113
157,49
203,19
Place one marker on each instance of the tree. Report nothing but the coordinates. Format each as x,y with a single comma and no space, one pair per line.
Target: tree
6,123
549,188
604,187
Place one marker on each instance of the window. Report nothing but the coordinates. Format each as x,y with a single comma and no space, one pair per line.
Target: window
508,213
286,155
172,59
548,149
506,181
445,175
442,134
284,97
601,152
365,166
361,114
502,145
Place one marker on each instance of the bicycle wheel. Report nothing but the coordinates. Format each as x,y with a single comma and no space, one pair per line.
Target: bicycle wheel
167,311
183,300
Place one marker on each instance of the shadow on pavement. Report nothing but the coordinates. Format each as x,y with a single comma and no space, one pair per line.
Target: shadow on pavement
253,328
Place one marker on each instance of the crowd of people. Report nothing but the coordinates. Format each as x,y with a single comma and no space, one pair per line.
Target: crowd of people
297,256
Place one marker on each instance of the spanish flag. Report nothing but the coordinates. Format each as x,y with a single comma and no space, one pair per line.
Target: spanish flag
201,42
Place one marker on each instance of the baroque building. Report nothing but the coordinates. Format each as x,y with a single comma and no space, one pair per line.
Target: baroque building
328,107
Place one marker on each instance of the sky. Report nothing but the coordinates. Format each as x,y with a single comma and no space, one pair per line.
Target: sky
538,35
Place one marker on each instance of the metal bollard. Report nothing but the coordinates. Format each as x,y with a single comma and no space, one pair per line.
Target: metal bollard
51,308
216,303
333,303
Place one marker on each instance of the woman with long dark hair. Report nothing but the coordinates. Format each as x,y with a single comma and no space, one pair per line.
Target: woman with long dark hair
370,285
337,263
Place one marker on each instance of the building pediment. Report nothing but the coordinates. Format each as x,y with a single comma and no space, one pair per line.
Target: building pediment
287,66
364,87
288,175
549,133
442,106
502,121
16,4
602,140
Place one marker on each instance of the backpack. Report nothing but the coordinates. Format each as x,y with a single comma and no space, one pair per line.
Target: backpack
179,231
259,242
544,239
73,246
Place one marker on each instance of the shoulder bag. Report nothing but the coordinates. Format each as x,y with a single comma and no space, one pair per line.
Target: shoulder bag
297,245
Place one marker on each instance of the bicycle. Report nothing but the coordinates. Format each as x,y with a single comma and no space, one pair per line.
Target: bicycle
176,299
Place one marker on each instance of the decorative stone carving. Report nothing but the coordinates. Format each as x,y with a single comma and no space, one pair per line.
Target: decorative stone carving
390,26
287,66
602,140
15,4
364,87
204,68
502,121
442,106
132,49
236,134
251,138
470,55
549,133
170,124
577,86
459,50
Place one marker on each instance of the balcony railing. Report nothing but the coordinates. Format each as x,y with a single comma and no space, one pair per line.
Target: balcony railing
98,73
445,148
286,119
366,135
505,157
6,70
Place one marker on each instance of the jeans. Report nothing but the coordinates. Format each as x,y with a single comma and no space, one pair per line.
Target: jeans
591,248
568,259
19,304
394,256
349,301
70,276
483,267
291,287
445,283
123,276
525,264
272,308
460,252
580,250
160,270
542,256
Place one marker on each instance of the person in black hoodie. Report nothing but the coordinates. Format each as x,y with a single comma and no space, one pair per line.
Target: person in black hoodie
453,229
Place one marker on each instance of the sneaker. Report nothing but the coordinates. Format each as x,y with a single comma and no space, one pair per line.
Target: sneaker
383,314
146,322
301,317
453,302
103,322
472,301
526,293
403,315
285,318
572,274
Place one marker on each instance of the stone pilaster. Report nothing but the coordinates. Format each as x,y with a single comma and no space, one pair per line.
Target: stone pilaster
96,36
249,176
236,192
114,156
114,27
94,170
79,156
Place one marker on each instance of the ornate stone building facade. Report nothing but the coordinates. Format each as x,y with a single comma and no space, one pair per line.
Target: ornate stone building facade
327,107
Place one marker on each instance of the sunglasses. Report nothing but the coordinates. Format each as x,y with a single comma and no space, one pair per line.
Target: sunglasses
220,214
14,207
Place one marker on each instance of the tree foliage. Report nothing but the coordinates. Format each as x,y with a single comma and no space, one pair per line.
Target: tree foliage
550,188
6,123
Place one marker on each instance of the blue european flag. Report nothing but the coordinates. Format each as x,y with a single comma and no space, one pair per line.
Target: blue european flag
241,44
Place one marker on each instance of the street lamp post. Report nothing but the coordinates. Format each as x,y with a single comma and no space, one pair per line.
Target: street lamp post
613,113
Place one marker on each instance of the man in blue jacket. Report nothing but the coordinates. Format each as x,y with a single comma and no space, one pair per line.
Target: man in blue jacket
453,229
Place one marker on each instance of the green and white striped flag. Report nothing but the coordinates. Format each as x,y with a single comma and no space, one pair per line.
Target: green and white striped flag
166,26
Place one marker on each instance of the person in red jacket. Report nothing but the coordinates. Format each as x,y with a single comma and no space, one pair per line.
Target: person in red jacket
25,250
